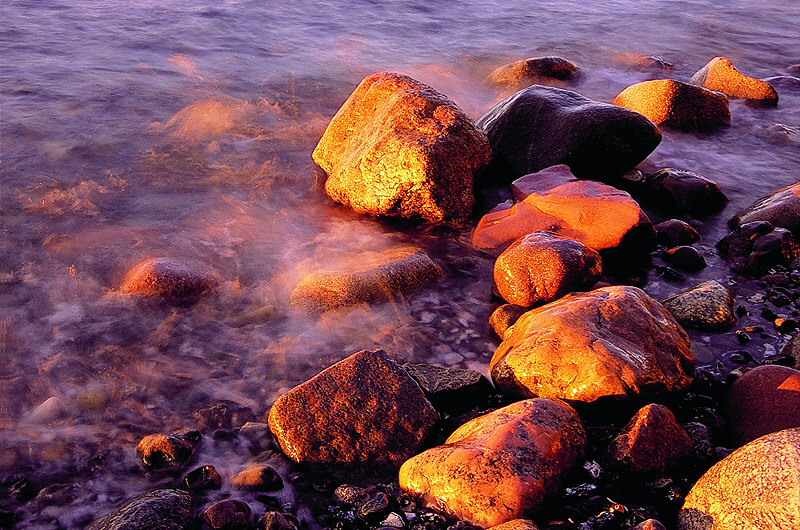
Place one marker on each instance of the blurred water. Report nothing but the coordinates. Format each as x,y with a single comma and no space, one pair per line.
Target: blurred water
138,129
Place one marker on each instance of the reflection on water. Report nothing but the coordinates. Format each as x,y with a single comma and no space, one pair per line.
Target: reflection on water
143,129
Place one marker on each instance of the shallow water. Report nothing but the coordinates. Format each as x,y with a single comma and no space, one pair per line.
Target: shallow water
140,129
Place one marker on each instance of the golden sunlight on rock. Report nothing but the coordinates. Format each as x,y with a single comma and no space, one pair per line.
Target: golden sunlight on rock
721,76
169,277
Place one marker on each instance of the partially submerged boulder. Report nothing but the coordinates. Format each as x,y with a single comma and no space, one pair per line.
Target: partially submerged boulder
685,191
165,509
613,342
542,126
706,306
755,247
780,208
169,278
399,148
502,466
720,75
675,104
534,71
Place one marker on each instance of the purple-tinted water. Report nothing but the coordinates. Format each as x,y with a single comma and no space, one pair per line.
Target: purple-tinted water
138,129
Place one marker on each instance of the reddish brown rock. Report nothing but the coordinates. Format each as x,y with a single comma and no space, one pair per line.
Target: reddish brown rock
364,410
257,477
157,451
706,306
652,441
516,524
764,400
502,466
533,71
675,104
757,486
399,148
650,524
780,208
542,267
169,277
611,342
721,76
505,316
228,514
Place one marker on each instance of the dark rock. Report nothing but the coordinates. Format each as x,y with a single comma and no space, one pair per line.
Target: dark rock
165,509
792,349
158,451
684,258
533,71
450,390
649,524
169,278
203,478
780,208
278,521
673,232
226,415
755,247
721,76
351,494
644,63
505,316
257,477
707,306
685,191
375,508
228,514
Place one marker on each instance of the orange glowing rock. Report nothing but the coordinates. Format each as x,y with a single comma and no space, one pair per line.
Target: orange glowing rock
257,477
720,75
781,208
169,277
675,104
159,451
611,342
535,70
502,466
400,148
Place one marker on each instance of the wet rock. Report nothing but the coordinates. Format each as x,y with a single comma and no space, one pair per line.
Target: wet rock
399,148
684,258
673,232
541,267
450,390
169,278
785,134
611,342
598,215
780,208
228,514
792,349
533,71
652,441
203,478
516,524
224,415
539,127
756,486
755,247
650,524
257,477
685,191
675,104
375,277
644,63
501,466
157,451
504,317
364,410
706,306
351,494
721,76
278,521
165,509
764,400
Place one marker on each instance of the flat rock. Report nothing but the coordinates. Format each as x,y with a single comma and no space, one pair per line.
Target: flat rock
450,390
541,267
685,258
502,466
756,486
764,400
780,208
363,411
757,246
399,148
706,306
539,127
169,278
372,277
685,191
533,71
165,509
675,104
613,342
674,232
228,514
720,75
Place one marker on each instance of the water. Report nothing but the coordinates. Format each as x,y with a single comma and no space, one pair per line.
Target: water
138,129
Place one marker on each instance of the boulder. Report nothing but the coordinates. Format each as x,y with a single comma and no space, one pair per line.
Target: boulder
755,247
278,521
399,148
374,277
685,258
228,514
685,191
505,316
764,400
502,466
533,71
539,127
674,232
756,486
706,306
363,411
675,104
780,208
652,441
165,509
613,342
721,76
169,278
450,390
598,215
541,267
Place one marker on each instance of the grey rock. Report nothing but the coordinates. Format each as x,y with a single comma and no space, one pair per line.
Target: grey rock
165,509
706,306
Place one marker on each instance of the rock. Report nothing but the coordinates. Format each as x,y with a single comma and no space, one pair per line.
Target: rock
157,451
450,390
598,215
675,104
502,466
399,148
539,127
706,306
203,478
165,509
364,410
785,134
613,342
792,349
375,277
541,267
764,400
674,232
257,477
756,486
652,441
533,71
684,258
685,191
516,524
169,278
702,449
228,514
755,247
644,63
47,411
504,317
278,521
650,524
721,76
351,494
780,208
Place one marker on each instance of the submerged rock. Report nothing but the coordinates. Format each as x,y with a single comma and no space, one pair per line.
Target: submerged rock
783,133
502,466
721,76
644,63
534,71
539,127
613,342
755,247
165,509
399,148
706,306
450,390
169,277
675,104
780,208
685,191
685,258
157,451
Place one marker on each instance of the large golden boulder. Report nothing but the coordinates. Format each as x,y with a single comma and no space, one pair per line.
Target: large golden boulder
721,76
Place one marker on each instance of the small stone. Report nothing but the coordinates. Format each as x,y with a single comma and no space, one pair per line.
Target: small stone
278,521
203,478
742,337
792,349
505,316
257,477
393,520
649,524
707,306
158,451
785,325
228,514
702,449
684,258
